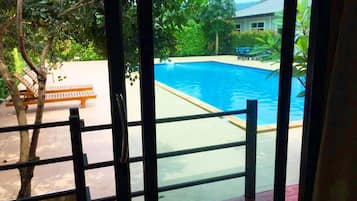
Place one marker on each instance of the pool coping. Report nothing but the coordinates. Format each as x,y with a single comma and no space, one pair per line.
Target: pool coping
228,59
232,119
222,62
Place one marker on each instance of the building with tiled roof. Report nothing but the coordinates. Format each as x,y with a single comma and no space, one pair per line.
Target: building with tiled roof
259,15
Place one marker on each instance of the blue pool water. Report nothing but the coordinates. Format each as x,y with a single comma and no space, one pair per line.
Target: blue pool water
227,87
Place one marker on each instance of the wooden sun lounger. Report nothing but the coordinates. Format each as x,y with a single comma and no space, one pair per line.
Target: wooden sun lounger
82,96
57,88
30,97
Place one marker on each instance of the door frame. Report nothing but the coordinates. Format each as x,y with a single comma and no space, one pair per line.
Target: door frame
115,47
116,69
147,93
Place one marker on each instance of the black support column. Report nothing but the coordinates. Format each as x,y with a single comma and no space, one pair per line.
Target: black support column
148,99
317,82
114,34
286,63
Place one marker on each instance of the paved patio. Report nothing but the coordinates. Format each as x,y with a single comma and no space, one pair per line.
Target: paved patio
170,136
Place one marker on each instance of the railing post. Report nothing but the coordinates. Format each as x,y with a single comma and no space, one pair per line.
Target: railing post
251,149
78,156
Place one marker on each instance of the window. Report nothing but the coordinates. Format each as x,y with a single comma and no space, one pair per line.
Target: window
238,27
257,26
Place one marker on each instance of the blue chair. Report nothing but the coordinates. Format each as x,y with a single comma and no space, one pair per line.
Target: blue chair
243,52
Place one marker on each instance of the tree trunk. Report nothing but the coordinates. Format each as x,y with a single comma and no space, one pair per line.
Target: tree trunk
217,43
42,78
27,174
19,108
39,115
21,119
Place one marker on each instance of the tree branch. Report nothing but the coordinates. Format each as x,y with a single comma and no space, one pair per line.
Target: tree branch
41,96
76,6
46,50
6,24
21,40
38,23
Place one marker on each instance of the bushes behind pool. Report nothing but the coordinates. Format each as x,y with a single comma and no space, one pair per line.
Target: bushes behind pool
247,39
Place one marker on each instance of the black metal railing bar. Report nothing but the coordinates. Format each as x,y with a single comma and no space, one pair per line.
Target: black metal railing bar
167,120
80,163
182,185
47,196
35,163
170,154
79,158
34,126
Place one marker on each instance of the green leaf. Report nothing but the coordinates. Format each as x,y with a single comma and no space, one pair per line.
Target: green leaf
301,94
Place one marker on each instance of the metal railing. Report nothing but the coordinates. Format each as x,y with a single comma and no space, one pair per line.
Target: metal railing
80,162
33,163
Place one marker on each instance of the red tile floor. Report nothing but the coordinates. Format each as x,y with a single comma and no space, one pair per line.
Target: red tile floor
290,195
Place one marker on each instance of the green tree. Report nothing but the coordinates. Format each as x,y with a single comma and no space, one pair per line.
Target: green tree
170,18
218,22
7,43
40,27
191,40
270,46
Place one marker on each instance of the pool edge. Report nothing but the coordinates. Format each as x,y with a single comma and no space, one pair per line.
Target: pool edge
209,108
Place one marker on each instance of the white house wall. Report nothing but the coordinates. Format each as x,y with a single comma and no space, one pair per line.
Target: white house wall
245,22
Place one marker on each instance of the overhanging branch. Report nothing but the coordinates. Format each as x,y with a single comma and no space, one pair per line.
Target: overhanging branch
46,50
21,38
76,6
6,24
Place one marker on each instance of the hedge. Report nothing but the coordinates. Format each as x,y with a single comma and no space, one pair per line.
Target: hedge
191,40
247,38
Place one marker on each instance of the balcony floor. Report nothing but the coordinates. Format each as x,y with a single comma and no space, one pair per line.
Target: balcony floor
290,195
55,142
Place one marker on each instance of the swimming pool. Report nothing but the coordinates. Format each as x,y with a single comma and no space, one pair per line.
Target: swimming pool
227,87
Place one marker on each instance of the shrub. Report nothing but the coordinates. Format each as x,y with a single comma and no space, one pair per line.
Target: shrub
19,63
225,41
191,40
70,50
15,65
248,38
86,53
3,90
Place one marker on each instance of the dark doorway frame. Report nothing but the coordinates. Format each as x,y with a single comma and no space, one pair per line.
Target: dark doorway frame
320,51
317,83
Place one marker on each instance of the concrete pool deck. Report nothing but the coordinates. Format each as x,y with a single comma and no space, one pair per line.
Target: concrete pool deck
172,136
